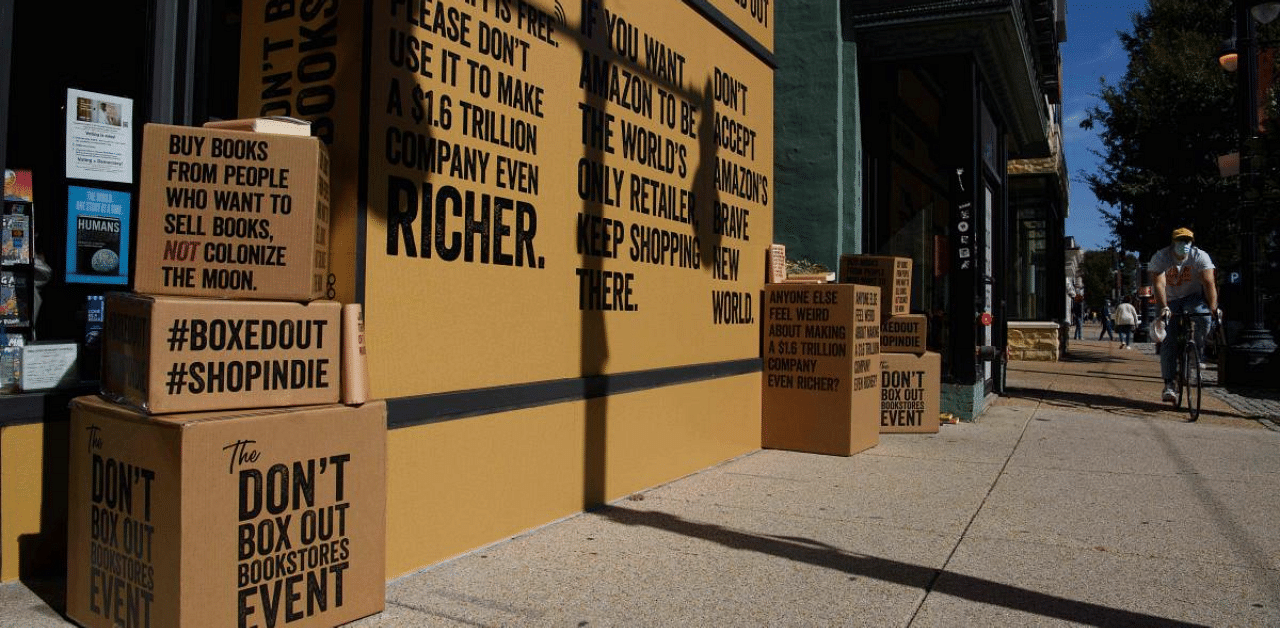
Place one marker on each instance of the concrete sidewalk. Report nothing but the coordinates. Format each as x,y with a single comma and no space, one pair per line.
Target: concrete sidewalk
1098,375
1078,499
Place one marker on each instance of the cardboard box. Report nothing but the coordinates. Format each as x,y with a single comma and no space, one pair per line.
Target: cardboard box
777,263
891,274
904,333
178,354
821,368
224,213
910,386
250,518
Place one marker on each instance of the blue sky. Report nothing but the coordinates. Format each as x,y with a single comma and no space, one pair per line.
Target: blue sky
1092,50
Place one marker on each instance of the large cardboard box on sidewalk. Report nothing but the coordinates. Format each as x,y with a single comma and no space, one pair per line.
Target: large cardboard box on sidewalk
232,214
891,274
910,387
904,333
821,371
178,354
249,518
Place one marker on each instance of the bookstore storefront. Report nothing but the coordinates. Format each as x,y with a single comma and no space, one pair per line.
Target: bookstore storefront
950,96
555,216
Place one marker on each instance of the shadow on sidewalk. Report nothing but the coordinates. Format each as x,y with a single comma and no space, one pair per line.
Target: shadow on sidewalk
1022,372
1080,357
1111,404
930,579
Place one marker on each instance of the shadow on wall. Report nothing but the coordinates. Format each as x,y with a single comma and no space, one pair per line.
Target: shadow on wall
594,332
42,556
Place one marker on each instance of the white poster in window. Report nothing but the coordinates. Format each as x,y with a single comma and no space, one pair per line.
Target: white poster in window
99,137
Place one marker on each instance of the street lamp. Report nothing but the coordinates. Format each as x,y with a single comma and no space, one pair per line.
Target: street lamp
1246,360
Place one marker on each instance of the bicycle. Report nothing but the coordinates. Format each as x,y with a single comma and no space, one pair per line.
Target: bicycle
1188,384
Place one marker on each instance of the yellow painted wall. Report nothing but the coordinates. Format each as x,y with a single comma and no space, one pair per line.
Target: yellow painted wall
476,324
458,485
449,283
427,112
437,325
33,500
754,17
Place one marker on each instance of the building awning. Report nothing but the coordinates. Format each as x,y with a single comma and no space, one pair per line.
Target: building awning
1014,43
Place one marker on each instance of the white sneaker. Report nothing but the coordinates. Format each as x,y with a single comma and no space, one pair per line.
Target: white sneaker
1169,396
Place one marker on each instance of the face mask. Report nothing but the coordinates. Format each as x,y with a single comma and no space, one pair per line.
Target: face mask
1181,249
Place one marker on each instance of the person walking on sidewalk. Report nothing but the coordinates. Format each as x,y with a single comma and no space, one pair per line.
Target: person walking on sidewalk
1077,315
1182,277
1105,316
1126,320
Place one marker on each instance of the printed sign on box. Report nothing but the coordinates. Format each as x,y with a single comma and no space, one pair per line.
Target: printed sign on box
891,274
910,386
233,214
176,354
249,518
904,333
821,375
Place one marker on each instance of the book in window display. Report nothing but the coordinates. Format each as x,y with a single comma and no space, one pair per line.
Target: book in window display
10,360
8,298
91,356
97,245
16,245
15,299
97,236
17,185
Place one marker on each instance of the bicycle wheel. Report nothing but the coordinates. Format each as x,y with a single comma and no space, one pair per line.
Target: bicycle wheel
1192,374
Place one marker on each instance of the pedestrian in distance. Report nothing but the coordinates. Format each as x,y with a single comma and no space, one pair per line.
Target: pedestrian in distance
1077,316
1183,281
1105,317
1126,320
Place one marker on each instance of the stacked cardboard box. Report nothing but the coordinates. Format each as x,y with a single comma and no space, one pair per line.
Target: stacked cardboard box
219,481
891,274
904,333
910,375
910,386
821,368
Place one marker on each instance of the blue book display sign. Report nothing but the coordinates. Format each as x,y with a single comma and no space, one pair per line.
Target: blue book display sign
97,236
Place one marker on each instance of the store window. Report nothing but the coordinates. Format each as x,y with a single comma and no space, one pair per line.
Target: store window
1027,275
75,110
915,222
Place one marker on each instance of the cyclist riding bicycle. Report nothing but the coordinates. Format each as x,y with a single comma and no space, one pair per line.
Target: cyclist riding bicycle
1182,276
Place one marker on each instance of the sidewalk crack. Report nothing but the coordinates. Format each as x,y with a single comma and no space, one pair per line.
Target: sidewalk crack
937,573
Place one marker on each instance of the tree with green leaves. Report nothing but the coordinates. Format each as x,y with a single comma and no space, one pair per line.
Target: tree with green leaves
1098,272
1162,127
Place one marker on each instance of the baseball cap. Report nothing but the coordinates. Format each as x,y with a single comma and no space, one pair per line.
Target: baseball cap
1183,232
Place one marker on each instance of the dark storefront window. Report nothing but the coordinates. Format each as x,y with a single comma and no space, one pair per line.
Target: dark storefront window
1028,276
166,62
916,220
1034,275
